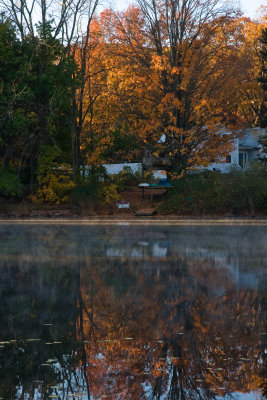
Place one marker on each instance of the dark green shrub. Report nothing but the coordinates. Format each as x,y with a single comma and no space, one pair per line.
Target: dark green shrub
84,195
246,190
126,179
209,192
10,185
94,190
196,193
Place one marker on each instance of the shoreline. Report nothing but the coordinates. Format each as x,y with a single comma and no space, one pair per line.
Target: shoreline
144,208
179,221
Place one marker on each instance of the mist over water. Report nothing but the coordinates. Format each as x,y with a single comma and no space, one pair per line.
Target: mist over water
132,312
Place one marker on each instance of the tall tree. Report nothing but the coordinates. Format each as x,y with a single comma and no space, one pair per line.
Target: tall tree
263,78
12,90
36,98
50,31
189,53
109,106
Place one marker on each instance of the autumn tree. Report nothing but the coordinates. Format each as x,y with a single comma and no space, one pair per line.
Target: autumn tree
263,77
109,103
188,54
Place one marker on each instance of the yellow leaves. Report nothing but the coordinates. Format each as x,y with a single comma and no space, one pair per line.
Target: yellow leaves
110,193
56,191
158,63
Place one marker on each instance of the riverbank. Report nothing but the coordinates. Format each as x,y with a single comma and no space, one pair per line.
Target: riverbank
26,209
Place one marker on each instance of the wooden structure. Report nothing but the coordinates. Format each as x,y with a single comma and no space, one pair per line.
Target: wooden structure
151,162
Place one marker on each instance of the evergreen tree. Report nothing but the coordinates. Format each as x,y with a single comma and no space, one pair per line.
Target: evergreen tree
35,100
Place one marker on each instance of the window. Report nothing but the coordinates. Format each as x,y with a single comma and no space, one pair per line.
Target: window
228,159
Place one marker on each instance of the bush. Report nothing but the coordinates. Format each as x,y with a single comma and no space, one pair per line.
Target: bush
10,185
126,179
246,190
94,191
54,179
210,192
109,193
56,190
196,193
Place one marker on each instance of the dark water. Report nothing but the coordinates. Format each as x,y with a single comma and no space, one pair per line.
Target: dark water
133,312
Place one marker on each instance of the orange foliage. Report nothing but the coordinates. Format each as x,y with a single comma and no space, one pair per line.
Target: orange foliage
189,340
145,80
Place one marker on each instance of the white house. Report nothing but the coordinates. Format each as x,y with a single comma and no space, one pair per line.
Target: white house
245,150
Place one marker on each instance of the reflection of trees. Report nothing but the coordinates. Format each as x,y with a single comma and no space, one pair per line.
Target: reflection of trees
201,355
195,334
31,297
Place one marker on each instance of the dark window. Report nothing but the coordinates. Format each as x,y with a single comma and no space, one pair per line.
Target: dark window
228,158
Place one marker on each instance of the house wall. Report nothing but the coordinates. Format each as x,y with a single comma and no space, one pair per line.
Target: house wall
113,169
249,143
225,167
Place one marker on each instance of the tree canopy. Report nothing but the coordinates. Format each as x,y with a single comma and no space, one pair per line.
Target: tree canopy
173,77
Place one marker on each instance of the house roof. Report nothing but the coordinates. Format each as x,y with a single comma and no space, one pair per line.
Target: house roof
251,138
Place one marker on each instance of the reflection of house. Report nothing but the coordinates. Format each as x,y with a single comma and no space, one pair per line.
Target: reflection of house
245,150
154,250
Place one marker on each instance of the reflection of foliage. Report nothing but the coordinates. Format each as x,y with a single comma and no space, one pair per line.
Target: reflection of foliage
119,278
134,327
197,355
29,300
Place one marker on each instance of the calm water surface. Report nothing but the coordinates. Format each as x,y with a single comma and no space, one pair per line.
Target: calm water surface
133,312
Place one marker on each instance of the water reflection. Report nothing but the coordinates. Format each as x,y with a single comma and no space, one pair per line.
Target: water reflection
127,312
